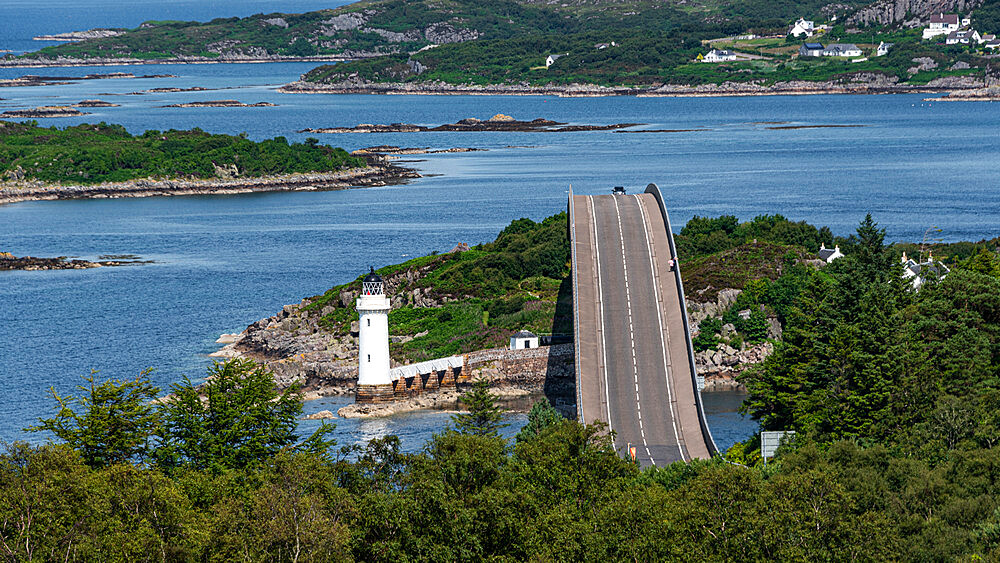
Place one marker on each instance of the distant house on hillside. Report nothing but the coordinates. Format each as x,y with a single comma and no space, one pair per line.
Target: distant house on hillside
941,24
964,37
603,46
919,272
829,254
553,58
883,49
718,56
811,50
842,50
523,339
992,44
802,27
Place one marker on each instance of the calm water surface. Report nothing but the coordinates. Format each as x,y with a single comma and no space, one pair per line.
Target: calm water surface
222,262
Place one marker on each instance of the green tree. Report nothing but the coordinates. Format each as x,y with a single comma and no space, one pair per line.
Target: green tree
541,416
109,422
485,416
301,47
755,328
984,262
237,418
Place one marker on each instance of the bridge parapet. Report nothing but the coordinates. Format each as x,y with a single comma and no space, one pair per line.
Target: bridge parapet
654,190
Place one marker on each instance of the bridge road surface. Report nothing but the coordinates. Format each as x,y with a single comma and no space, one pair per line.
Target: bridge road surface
632,347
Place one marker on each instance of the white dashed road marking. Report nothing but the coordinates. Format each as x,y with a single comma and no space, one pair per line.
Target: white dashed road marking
631,332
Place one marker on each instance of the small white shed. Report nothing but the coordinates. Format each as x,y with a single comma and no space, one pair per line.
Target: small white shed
523,339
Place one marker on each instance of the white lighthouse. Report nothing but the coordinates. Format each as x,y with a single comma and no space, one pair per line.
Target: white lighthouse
373,341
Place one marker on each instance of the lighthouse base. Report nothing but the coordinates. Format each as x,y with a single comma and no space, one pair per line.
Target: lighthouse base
374,394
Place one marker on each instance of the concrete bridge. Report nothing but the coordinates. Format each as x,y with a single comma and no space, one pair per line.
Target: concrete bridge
634,361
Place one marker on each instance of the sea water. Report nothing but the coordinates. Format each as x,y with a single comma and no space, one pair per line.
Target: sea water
223,262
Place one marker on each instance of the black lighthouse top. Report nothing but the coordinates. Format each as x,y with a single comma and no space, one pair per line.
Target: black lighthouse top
372,284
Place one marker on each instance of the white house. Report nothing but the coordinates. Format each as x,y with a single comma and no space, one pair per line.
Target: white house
522,340
883,49
919,272
941,24
964,37
842,50
992,44
802,27
966,22
553,58
829,254
718,56
811,50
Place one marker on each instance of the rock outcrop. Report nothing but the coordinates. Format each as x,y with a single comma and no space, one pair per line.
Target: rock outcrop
31,263
722,367
892,12
220,104
42,112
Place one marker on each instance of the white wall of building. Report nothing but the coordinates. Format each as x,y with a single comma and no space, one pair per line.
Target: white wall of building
373,340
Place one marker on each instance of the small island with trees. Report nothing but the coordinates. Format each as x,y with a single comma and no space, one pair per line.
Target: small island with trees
105,160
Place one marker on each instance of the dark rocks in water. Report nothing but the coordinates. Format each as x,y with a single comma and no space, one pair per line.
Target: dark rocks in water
175,89
394,150
43,112
95,104
29,263
498,122
221,104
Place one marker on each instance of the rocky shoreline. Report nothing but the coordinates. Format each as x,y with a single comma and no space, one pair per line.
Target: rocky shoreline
497,123
392,150
42,112
33,263
220,104
989,94
859,83
295,347
378,174
13,62
34,80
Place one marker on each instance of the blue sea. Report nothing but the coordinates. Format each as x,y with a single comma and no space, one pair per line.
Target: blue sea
223,262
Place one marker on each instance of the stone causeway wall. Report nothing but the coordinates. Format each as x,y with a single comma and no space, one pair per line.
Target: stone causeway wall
549,368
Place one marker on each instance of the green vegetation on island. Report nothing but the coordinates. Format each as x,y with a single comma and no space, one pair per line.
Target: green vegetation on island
401,26
632,43
642,59
473,299
90,154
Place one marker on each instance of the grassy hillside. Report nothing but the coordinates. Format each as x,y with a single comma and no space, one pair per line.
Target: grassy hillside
643,58
90,154
398,26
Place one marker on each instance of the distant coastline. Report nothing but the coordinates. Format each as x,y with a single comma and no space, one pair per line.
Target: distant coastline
864,85
12,62
375,175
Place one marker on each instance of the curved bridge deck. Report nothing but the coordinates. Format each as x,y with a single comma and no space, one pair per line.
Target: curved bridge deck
635,367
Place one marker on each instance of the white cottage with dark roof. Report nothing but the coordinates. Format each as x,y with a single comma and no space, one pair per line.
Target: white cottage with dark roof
941,24
920,272
523,339
829,254
842,50
811,50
